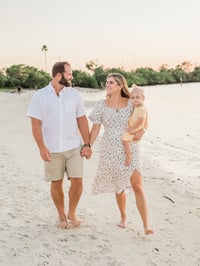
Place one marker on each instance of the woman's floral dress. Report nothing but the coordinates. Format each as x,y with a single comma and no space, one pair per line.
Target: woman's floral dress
112,174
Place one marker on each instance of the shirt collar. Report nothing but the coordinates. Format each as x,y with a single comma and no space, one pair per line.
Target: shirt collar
51,88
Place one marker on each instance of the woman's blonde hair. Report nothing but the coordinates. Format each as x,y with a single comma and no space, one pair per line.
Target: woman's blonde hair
121,81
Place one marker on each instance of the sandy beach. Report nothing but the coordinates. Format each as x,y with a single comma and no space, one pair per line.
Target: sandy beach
171,169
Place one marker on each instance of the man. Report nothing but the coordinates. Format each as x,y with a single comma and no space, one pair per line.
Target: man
59,126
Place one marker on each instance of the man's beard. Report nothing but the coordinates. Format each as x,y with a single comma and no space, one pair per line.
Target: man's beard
64,82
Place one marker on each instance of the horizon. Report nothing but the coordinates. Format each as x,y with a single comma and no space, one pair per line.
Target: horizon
191,67
127,35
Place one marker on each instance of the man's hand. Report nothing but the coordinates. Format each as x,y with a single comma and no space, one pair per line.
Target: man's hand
45,154
86,152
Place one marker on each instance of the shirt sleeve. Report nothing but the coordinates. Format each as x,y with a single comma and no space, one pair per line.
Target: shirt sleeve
34,109
142,112
96,116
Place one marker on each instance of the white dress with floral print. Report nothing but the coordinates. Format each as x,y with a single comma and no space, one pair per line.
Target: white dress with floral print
112,174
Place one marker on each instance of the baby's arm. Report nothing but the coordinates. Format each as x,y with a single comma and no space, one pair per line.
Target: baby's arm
138,125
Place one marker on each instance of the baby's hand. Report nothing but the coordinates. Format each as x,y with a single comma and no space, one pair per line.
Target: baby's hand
130,130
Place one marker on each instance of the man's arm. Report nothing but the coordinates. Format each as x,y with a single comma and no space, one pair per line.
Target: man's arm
84,131
84,128
37,134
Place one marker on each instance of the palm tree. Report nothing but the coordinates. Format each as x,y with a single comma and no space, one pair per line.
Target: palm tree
45,49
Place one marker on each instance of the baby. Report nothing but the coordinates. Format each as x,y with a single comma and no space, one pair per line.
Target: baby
137,121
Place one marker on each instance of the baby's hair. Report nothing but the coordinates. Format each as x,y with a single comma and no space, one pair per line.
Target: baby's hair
136,88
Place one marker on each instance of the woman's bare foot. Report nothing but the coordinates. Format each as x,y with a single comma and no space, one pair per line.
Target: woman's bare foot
148,231
74,220
122,223
63,223
128,160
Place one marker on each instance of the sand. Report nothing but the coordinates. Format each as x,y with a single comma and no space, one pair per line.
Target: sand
171,170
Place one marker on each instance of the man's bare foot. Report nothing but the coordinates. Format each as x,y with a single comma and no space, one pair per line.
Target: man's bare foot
63,223
74,220
148,231
128,161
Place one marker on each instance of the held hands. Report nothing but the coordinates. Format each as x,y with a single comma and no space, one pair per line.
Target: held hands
86,152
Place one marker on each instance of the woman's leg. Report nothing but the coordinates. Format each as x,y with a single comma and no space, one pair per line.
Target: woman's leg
136,182
121,202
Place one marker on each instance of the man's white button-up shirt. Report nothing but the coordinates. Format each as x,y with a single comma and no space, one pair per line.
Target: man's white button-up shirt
58,115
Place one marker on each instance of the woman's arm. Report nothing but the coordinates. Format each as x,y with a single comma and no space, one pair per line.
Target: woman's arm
94,132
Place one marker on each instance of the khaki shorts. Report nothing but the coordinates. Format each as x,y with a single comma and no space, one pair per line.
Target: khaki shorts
69,162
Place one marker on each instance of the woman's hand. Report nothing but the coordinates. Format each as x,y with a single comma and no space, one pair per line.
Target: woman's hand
138,135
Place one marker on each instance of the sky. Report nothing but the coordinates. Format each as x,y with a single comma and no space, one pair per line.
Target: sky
113,33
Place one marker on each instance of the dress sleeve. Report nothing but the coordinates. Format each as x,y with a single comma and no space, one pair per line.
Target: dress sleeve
96,116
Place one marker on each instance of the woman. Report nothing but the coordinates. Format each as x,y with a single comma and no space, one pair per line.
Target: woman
112,175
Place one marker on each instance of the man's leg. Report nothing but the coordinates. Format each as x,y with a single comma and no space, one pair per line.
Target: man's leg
75,192
57,195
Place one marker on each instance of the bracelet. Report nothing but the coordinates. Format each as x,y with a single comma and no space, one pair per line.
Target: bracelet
87,145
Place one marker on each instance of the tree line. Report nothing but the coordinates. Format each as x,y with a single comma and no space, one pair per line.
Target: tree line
23,76
29,77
